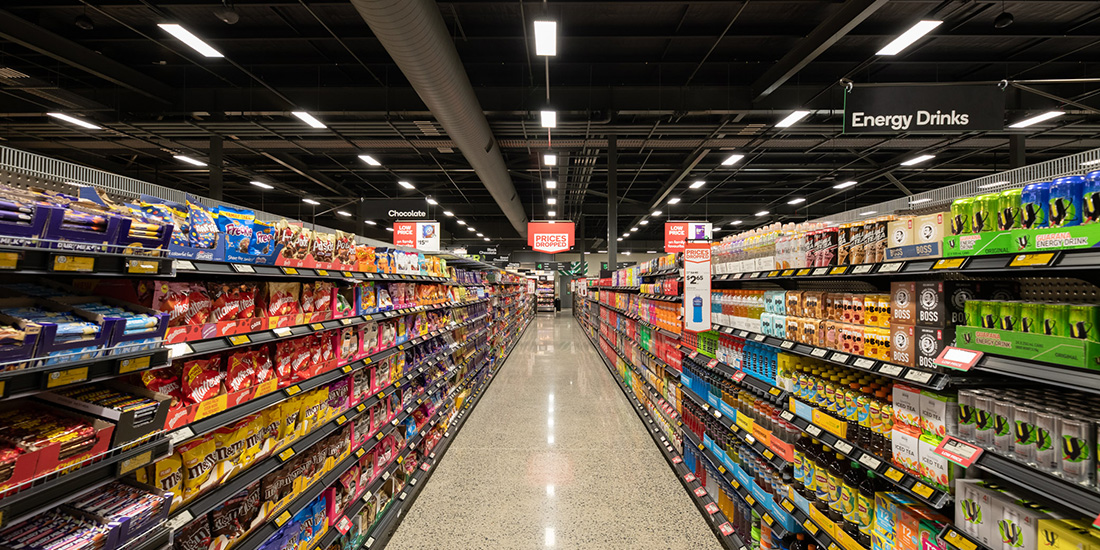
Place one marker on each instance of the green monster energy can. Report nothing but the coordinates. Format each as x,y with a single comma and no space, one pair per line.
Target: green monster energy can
962,211
1082,322
984,218
989,312
973,311
1008,315
1056,319
1008,214
1031,317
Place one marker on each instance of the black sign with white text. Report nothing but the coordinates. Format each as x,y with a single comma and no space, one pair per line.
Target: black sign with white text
396,209
908,109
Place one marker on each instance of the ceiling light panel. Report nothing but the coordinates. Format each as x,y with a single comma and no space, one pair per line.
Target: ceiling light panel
909,37
185,36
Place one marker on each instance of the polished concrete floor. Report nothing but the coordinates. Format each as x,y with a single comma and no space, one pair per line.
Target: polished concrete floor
553,457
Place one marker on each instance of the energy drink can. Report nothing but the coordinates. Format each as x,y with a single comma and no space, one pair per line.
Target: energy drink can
962,211
1056,319
1066,201
1047,437
972,311
1008,315
1031,317
984,213
989,311
1091,199
1035,205
983,420
1078,446
1008,214
1024,432
967,420
1003,422
1082,322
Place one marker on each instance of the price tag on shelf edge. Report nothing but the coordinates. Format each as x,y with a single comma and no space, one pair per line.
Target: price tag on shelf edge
959,452
958,358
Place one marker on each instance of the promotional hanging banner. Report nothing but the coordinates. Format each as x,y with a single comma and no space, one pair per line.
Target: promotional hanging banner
697,286
678,233
550,237
395,209
419,235
909,109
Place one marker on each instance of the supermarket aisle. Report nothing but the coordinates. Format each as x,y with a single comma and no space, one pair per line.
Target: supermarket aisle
553,457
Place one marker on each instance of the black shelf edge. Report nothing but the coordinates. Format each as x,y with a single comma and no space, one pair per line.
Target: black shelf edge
815,531
1044,373
748,381
952,537
42,261
909,375
1062,492
714,521
731,426
59,488
633,317
222,268
881,466
21,383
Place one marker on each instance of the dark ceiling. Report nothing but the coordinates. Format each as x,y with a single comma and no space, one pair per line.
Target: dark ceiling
681,86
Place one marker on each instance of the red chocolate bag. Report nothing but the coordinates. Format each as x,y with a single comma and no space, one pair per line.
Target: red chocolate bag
261,364
199,305
285,352
172,298
322,296
281,299
247,293
307,297
240,371
201,378
226,303
166,381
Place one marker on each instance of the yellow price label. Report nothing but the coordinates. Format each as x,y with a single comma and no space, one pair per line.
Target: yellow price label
767,518
3,383
700,446
923,490
833,546
400,459
775,391
345,369
1030,260
340,420
322,272
768,454
240,340
750,500
290,271
362,407
73,263
359,453
953,538
348,274
142,266
803,272
949,263
9,260
894,474
283,518
810,527
788,505
378,436
135,364
293,390
286,454
316,326
135,462
368,360
788,272
838,270
65,377
721,469
773,273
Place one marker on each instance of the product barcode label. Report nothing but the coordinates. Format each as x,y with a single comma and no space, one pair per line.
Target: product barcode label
243,268
892,267
917,376
787,344
821,271
891,370
813,430
819,352
842,446
870,461
863,363
839,357
862,269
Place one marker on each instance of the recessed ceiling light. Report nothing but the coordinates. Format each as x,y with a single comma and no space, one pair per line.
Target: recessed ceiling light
553,213
791,119
799,200
551,200
697,184
619,239
674,200
460,222
546,38
549,159
650,251
626,253
390,229
549,119
994,184
344,213
918,160
186,37
762,213
308,119
732,159
432,201
644,222
480,235
918,201
627,234
369,160
190,160
370,222
406,185
601,252
656,213
551,184
471,229
633,229
262,185
908,37
448,213
1036,119
868,213
310,201
74,120
845,185
735,222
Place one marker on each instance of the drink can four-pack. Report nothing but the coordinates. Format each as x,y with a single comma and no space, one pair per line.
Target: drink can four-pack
1008,214
1091,199
1082,319
1035,205
1008,315
1031,317
1066,201
962,211
1055,319
985,209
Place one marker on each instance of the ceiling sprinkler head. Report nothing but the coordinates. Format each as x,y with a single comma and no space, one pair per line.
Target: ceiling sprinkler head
1003,20
228,15
84,22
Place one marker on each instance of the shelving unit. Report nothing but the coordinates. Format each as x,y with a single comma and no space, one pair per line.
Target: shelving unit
545,293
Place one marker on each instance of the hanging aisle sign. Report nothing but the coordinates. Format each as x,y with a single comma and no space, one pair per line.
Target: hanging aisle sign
678,233
907,109
697,286
550,237
395,209
419,235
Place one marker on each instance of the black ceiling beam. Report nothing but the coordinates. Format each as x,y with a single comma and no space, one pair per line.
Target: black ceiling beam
36,38
829,32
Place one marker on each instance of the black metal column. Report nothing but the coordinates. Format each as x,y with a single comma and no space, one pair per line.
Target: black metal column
612,203
1016,151
216,181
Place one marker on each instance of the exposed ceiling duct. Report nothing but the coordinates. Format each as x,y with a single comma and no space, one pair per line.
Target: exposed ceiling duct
413,33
